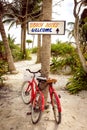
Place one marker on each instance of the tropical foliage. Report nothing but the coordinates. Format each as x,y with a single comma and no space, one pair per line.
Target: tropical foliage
4,6
78,82
64,54
61,48
21,12
16,50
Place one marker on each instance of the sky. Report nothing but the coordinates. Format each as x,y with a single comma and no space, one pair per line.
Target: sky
63,12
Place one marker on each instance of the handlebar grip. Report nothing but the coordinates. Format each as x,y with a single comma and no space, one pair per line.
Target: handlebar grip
28,70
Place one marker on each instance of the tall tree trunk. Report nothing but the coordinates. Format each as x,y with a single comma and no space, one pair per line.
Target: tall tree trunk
39,49
76,12
77,39
46,44
7,48
45,55
23,39
23,28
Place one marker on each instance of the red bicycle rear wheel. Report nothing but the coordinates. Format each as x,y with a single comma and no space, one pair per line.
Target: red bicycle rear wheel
26,92
56,108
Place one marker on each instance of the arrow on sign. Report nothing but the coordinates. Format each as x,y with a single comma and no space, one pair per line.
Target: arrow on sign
57,30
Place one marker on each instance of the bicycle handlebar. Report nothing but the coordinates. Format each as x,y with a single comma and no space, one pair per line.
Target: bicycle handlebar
39,71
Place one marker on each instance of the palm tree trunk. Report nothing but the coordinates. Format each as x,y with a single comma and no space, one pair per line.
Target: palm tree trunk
46,45
45,55
23,39
76,35
39,49
23,29
7,48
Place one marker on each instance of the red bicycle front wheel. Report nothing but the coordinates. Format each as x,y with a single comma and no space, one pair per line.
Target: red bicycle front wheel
56,108
26,92
36,108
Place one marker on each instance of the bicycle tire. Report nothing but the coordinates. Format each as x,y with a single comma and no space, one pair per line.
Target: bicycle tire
56,108
36,111
26,95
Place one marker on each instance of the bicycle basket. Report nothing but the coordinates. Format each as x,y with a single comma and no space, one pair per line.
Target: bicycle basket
27,76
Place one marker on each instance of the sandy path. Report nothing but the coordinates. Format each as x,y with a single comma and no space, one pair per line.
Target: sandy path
13,111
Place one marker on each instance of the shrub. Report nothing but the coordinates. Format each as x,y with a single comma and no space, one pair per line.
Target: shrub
3,60
28,53
67,55
17,55
61,49
3,69
34,50
70,60
78,82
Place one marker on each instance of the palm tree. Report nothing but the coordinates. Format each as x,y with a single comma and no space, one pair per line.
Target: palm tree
71,30
4,38
46,44
22,12
77,8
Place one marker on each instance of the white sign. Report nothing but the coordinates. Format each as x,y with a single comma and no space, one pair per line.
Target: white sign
47,27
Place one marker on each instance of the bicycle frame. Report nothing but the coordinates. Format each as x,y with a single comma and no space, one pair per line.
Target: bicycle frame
34,86
33,92
51,91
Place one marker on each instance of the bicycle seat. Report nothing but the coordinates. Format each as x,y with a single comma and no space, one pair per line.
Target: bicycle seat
51,81
41,79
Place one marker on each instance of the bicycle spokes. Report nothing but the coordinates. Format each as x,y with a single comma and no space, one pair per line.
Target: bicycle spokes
26,92
36,108
56,108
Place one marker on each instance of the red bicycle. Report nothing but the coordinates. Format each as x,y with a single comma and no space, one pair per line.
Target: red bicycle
32,94
55,101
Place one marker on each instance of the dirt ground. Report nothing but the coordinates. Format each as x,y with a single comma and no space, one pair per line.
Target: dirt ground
13,112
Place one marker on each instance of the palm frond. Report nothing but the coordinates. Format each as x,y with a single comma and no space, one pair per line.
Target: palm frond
8,20
11,25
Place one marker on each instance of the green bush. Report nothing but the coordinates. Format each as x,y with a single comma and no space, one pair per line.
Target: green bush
34,50
57,64
61,49
78,82
67,55
70,60
17,54
3,67
3,60
28,53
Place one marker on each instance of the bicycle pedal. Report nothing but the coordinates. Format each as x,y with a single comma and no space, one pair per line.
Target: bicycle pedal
28,113
59,95
49,102
26,93
46,107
